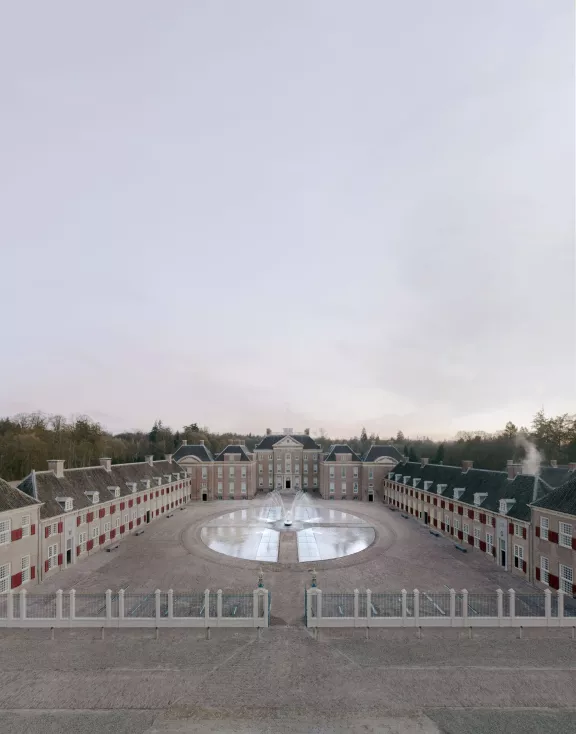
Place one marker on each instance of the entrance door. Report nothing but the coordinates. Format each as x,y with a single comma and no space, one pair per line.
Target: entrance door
503,552
148,516
68,551
204,498
426,519
287,484
370,498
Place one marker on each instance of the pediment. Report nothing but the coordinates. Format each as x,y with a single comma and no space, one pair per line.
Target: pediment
288,442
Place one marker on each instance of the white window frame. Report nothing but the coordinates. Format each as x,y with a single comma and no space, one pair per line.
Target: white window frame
25,568
305,481
231,472
355,488
5,578
126,518
243,488
204,472
370,473
107,527
52,555
95,532
83,518
544,527
566,578
315,468
517,530
466,529
332,472
231,486
117,522
544,570
270,467
456,524
476,537
219,472
565,535
220,488
332,488
343,473
355,472
447,523
25,524
260,469
243,472
260,481
489,542
518,556
5,531
315,481
344,487
82,540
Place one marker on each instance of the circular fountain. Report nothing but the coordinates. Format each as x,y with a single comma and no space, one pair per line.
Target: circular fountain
313,530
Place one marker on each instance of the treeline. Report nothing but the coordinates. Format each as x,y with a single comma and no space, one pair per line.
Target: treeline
28,441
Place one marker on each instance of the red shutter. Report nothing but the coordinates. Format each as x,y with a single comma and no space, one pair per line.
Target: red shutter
442,526
483,518
130,503
60,526
537,574
112,534
60,559
130,525
537,531
138,521
524,533
460,510
436,501
493,522
112,509
554,581
90,545
90,517
524,566
471,540
157,513
33,572
510,528
77,550
460,535
33,529
102,512
145,498
16,580
122,505
553,536
122,529
47,531
45,566
16,534
157,493
138,500
442,504
451,507
162,491
574,543
483,546
78,521
435,523
494,551
428,498
471,514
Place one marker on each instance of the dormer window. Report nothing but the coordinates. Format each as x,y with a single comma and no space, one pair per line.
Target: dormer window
158,481
132,486
479,498
391,475
415,481
398,477
427,485
94,497
458,492
440,488
114,491
406,479
504,506
66,503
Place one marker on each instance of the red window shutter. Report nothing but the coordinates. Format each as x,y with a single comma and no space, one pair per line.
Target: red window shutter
493,522
112,534
60,526
471,540
162,491
524,566
436,501
428,499
510,528
483,518
138,500
442,526
157,513
78,521
494,551
16,534
537,531
451,507
47,531
90,516
16,580
460,535
122,505
471,514
145,498
122,529
435,523
90,545
157,493
537,574
46,567
112,509
482,546
101,512
60,558
102,539
574,543
130,525
130,503
77,550
553,536
33,572
460,510
554,581
138,521
33,529
162,508
442,504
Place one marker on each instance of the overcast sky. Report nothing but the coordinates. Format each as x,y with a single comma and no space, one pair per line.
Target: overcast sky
292,213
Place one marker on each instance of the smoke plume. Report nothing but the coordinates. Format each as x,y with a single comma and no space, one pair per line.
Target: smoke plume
532,458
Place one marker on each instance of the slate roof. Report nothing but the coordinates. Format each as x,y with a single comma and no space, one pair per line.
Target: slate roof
562,499
241,451
46,486
494,483
377,452
341,448
555,475
12,498
268,441
198,450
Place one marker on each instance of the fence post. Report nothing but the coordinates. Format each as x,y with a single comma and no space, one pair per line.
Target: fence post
255,606
500,605
368,606
157,605
464,607
10,607
218,606
170,604
59,604
416,608
512,602
452,607
108,605
121,604
356,607
560,607
207,608
404,593
319,605
309,595
547,606
23,604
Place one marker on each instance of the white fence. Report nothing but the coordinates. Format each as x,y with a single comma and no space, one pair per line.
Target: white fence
126,609
445,609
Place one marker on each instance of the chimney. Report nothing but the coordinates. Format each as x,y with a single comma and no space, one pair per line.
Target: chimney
513,469
572,466
554,463
150,459
57,466
423,461
201,442
106,463
184,442
168,458
467,464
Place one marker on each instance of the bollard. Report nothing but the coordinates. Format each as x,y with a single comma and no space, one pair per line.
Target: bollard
207,633
367,636
419,633
157,632
469,633
102,633
51,633
259,633
520,632
573,633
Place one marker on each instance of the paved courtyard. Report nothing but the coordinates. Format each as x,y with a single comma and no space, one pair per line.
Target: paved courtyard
286,682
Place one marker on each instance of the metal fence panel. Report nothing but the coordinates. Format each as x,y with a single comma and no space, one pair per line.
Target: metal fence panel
569,607
189,605
90,606
140,605
4,605
530,605
41,606
480,605
434,604
237,605
337,605
386,605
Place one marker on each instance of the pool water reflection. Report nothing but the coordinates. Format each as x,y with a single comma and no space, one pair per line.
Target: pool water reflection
321,533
